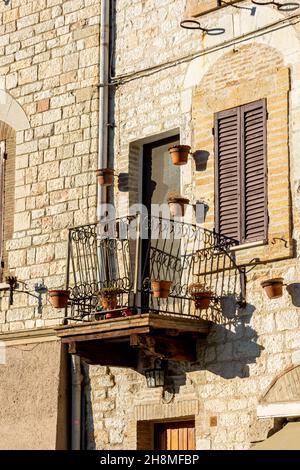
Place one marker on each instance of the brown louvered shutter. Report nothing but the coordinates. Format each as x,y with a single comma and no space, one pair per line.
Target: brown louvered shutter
254,217
227,169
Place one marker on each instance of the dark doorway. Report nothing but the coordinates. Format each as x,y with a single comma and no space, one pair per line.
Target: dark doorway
159,177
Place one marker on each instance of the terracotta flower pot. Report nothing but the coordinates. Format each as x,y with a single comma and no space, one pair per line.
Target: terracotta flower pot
179,154
202,300
161,289
105,176
59,298
127,312
273,287
109,302
112,315
177,206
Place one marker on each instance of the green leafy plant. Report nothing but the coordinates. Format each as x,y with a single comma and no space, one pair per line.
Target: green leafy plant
197,287
110,291
173,196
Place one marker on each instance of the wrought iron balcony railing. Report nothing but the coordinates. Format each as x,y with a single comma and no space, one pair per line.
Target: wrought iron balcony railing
129,252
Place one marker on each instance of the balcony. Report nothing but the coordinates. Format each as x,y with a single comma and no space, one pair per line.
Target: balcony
125,255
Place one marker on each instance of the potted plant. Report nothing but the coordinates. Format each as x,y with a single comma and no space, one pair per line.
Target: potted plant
177,204
160,289
59,297
127,312
109,300
105,176
201,295
273,287
179,154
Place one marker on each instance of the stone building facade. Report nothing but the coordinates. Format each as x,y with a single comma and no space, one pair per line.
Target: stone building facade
166,81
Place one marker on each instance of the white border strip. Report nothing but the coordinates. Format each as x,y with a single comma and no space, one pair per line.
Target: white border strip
279,410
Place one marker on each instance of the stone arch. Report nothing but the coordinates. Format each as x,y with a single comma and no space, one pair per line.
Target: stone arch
277,40
12,113
236,66
285,387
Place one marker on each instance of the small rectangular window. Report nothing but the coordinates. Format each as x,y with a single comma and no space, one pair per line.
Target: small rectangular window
241,172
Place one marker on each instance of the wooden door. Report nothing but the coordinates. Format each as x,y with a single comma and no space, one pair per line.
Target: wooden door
175,436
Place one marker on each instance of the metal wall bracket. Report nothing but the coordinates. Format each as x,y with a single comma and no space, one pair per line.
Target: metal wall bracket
14,285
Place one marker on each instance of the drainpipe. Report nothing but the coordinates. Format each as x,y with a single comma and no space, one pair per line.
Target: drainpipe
76,379
103,95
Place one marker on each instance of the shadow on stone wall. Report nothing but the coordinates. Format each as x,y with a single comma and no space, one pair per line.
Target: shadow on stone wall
233,356
123,182
230,348
201,158
226,352
294,291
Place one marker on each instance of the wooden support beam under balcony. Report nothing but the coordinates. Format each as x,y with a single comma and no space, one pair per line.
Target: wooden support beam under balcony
116,342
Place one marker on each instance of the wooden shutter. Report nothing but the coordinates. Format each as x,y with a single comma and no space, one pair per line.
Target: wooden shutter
254,178
227,187
241,172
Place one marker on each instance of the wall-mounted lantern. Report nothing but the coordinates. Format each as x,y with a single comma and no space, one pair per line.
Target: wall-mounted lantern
13,285
155,377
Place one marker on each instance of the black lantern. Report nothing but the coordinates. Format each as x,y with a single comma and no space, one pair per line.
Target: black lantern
155,377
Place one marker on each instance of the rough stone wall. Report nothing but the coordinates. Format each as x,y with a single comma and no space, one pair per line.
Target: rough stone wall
49,56
236,363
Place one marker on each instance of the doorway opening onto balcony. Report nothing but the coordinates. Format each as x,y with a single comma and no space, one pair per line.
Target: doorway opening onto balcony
159,177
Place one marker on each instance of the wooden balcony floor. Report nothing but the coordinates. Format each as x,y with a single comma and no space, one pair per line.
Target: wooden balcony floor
116,342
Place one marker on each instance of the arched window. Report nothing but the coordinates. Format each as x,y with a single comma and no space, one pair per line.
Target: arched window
7,188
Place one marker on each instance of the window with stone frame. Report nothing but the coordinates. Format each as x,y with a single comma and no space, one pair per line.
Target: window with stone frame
241,172
7,191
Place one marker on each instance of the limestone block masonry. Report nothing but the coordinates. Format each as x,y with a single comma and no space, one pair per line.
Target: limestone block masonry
49,59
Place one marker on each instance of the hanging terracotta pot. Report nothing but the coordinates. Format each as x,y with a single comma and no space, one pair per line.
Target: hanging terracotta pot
161,289
177,205
59,298
105,176
273,287
179,154
202,300
201,295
